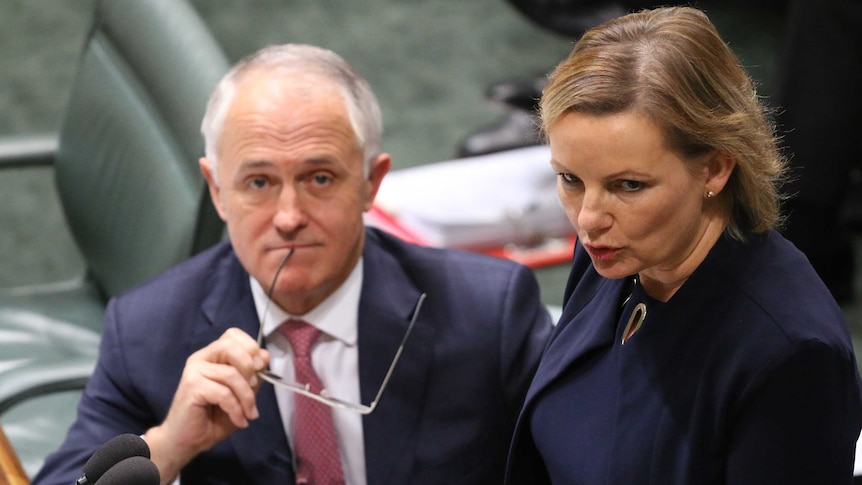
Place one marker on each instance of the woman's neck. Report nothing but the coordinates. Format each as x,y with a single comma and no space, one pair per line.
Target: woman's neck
662,283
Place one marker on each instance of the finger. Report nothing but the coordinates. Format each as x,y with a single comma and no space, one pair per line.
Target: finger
227,388
244,341
237,349
228,401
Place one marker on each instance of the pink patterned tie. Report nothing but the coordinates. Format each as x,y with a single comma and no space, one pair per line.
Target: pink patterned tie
314,438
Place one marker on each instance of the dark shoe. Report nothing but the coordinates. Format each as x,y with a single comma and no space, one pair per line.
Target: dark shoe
522,95
519,129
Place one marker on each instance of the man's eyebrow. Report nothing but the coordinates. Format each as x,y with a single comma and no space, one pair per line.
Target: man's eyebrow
321,160
255,164
314,161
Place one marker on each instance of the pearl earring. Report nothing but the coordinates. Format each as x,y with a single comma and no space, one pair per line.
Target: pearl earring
710,194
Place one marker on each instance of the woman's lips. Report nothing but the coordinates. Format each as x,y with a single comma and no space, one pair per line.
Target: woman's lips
601,253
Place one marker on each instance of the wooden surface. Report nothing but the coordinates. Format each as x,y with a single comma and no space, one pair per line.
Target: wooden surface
11,471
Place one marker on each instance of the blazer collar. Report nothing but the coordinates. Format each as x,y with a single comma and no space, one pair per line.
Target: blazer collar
388,300
574,335
584,326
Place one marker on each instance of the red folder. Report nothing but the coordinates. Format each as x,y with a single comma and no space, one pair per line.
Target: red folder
549,252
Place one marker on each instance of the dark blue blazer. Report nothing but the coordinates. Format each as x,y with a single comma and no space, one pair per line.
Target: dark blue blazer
745,376
446,416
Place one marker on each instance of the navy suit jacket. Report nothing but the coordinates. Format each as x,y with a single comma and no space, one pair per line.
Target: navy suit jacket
446,416
745,376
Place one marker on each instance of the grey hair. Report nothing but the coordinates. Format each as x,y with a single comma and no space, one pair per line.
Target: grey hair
363,109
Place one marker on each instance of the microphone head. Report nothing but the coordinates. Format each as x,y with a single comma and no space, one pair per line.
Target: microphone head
137,470
112,452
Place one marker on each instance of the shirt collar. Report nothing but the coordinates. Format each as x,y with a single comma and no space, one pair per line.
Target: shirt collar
337,316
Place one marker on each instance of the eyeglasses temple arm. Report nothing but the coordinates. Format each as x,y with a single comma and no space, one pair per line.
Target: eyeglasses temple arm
398,352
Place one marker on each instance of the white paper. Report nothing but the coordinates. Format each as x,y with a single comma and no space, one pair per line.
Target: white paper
484,201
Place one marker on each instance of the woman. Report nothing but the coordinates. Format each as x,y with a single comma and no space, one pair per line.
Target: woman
696,344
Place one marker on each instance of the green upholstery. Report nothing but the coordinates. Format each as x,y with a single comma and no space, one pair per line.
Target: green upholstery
126,171
34,426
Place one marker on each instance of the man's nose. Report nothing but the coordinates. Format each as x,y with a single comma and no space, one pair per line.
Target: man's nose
289,213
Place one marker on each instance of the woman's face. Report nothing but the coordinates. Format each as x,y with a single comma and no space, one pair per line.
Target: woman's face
637,206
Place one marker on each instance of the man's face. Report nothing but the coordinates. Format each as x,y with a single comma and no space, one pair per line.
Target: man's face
291,176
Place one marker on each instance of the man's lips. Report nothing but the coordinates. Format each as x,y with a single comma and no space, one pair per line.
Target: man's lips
291,246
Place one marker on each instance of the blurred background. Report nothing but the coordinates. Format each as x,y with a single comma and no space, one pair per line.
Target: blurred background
431,64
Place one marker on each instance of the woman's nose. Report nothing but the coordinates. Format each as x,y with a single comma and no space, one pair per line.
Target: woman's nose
593,213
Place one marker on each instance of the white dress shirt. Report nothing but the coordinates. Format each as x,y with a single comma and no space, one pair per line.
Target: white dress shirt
335,359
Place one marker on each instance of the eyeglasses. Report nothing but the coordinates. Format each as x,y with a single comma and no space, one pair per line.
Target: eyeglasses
323,396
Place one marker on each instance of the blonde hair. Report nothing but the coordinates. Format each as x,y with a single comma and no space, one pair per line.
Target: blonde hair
671,65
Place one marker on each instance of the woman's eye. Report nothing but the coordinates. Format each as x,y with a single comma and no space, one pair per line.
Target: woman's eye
631,185
568,179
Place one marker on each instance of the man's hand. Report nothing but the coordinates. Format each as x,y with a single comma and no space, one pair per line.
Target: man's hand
215,397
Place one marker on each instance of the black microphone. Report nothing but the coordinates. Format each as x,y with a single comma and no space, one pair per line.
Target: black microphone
136,470
111,453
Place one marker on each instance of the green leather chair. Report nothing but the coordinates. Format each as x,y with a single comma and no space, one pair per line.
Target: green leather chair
126,173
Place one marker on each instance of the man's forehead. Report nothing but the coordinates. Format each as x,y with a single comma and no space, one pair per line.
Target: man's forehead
266,98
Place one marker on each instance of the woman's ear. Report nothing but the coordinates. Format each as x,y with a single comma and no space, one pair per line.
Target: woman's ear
718,171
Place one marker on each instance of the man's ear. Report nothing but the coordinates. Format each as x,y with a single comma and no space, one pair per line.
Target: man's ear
377,170
718,171
212,184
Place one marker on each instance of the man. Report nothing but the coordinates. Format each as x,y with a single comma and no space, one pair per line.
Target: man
292,136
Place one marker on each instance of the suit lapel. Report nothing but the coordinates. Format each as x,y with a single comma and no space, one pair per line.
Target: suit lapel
387,303
575,336
262,447
386,306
